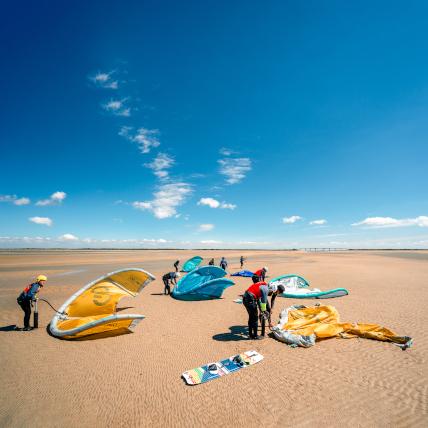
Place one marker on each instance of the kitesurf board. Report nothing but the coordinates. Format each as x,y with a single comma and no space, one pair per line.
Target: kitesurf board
221,368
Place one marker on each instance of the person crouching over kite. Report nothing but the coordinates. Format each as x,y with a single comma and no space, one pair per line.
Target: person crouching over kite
168,279
261,273
255,299
27,297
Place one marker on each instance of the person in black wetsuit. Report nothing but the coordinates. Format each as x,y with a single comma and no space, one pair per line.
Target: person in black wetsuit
223,263
241,260
27,297
211,262
168,279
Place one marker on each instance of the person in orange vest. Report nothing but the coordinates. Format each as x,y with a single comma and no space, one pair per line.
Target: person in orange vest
28,296
255,299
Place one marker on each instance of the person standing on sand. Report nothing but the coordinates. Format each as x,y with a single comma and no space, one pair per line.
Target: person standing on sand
168,279
241,260
223,263
261,273
28,296
255,299
176,265
211,262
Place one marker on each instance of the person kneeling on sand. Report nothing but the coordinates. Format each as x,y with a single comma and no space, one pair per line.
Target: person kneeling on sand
211,262
27,297
255,299
168,279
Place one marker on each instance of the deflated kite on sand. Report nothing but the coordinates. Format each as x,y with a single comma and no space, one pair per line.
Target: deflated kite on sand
92,309
301,326
297,287
204,283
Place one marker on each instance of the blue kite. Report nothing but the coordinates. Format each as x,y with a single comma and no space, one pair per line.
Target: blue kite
245,273
204,283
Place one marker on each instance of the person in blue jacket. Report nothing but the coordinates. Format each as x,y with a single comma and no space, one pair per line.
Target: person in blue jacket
223,263
28,296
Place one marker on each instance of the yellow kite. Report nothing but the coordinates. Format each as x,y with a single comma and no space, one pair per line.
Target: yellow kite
301,326
92,309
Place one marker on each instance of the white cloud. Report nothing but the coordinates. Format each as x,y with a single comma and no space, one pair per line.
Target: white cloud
41,220
235,169
68,237
160,164
211,241
105,80
146,139
384,222
117,107
226,152
214,203
291,220
166,200
205,227
319,222
14,200
55,199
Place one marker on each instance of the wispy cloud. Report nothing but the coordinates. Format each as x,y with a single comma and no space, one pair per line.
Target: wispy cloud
205,227
118,107
68,237
166,200
211,241
146,139
385,222
319,222
224,151
105,80
41,220
13,199
291,220
235,169
160,165
55,199
214,203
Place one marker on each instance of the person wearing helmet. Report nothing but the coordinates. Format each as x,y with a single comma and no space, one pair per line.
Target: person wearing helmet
261,273
255,299
168,279
28,296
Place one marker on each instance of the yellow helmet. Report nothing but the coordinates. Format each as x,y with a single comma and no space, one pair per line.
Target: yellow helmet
41,278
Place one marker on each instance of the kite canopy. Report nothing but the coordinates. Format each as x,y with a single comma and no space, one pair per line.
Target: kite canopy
245,273
191,264
93,308
290,280
296,287
204,283
302,326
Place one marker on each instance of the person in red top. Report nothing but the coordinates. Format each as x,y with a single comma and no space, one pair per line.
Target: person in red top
255,298
261,273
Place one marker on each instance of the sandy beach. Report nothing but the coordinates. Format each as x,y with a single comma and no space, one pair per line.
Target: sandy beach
134,379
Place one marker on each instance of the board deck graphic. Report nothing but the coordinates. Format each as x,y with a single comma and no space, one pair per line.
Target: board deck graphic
221,368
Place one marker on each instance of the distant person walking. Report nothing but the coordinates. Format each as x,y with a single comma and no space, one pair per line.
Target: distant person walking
241,260
169,279
176,265
211,262
28,296
223,263
261,273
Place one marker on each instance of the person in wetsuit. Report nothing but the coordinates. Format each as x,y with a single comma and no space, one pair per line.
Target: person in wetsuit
27,297
168,279
176,265
261,273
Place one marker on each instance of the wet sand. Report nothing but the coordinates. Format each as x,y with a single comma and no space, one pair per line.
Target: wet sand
134,379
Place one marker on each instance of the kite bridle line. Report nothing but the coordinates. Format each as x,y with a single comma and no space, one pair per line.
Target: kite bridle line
61,313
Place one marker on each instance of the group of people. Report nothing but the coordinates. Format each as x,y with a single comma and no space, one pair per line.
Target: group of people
255,298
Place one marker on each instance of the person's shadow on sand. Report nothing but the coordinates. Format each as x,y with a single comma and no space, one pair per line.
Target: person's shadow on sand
11,327
237,332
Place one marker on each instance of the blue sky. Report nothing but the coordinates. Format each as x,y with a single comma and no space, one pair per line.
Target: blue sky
214,124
